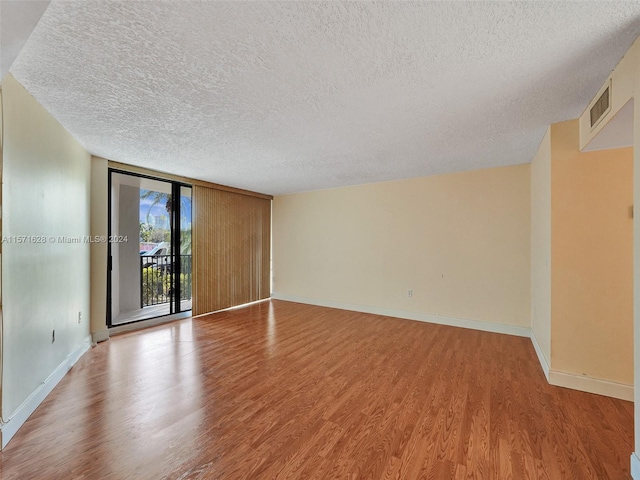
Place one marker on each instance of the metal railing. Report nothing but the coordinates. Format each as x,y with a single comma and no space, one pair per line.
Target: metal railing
157,279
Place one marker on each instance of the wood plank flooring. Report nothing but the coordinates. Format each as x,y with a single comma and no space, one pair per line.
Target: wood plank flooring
284,390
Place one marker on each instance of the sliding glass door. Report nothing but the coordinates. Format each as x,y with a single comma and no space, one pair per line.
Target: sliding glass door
150,271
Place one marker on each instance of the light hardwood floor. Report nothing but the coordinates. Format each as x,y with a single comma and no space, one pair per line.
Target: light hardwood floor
284,390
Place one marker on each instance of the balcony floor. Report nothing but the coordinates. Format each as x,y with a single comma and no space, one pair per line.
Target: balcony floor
146,313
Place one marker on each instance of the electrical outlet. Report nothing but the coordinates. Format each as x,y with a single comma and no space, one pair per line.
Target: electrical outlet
79,317
409,293
53,336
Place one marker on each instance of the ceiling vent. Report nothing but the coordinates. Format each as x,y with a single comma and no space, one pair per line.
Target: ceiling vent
601,106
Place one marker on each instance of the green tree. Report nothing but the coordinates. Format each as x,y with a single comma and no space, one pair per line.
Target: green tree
145,232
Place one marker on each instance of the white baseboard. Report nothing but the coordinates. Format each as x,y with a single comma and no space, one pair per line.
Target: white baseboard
9,428
420,317
541,358
100,336
635,466
581,382
591,385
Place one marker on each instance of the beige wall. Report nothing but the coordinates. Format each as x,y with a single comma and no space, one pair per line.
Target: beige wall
46,176
630,75
541,247
635,463
1,129
625,83
99,227
459,241
592,258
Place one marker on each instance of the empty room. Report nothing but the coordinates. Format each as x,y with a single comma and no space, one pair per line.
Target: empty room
319,239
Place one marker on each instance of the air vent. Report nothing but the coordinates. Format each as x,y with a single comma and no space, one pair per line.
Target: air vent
601,107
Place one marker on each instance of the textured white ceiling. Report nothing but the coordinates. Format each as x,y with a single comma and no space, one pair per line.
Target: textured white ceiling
283,97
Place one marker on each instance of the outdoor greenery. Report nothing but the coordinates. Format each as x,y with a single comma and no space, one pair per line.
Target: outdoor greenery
156,283
148,233
154,286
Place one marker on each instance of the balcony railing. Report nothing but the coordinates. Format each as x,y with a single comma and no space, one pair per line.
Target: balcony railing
157,279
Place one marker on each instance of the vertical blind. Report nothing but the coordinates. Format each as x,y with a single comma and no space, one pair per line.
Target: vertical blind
231,249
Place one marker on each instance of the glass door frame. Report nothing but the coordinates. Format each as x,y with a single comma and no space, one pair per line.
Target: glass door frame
174,225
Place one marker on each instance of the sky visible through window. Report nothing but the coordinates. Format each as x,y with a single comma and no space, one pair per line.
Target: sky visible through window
151,208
